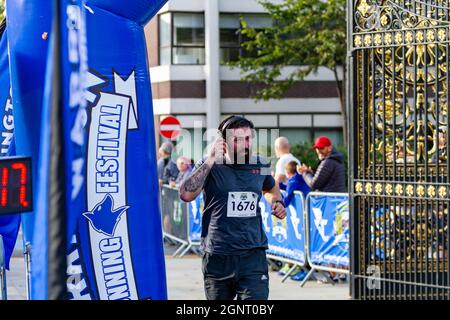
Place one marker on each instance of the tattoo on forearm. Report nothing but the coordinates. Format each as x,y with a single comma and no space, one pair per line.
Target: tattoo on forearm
195,182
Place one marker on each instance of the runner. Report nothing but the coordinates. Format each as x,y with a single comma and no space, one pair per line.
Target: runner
233,240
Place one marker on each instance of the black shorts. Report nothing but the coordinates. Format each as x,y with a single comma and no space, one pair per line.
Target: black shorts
245,276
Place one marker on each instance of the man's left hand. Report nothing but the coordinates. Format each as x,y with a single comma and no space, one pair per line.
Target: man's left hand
278,210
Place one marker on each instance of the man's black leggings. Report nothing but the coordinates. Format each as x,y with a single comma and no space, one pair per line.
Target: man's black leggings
244,276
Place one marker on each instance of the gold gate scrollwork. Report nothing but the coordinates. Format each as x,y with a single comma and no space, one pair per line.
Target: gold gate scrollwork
401,155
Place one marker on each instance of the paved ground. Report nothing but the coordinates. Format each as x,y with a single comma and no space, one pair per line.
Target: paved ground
184,281
15,279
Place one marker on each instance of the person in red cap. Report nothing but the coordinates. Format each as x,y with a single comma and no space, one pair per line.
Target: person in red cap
330,175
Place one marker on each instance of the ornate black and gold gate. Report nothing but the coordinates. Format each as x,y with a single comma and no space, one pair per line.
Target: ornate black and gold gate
400,186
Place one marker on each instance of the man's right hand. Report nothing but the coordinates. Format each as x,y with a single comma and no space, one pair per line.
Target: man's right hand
218,150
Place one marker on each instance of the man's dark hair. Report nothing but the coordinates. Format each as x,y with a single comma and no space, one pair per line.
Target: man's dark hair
234,122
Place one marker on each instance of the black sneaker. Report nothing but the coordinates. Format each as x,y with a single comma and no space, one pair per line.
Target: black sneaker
343,278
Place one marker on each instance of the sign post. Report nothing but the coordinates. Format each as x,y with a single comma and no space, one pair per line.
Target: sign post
3,292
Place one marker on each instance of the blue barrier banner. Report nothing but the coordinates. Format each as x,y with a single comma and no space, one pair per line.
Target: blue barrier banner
329,230
285,237
117,251
9,225
195,209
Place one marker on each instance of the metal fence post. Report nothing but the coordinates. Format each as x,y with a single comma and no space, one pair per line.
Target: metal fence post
27,260
188,232
307,248
3,288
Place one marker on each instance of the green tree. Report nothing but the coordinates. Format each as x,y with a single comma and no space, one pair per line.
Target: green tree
306,33
2,10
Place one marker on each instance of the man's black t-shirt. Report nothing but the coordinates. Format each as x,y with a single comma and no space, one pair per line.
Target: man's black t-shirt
231,222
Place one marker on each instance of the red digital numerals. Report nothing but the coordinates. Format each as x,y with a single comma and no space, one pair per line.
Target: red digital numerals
20,166
14,186
4,194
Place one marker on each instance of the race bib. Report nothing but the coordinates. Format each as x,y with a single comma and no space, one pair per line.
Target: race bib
242,204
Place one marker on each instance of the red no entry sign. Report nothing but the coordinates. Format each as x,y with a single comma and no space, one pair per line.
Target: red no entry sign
170,127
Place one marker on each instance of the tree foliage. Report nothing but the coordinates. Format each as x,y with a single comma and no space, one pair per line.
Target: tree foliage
305,33
2,10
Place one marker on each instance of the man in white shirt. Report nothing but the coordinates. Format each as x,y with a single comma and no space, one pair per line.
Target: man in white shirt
283,153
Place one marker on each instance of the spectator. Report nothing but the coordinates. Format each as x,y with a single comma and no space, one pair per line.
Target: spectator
295,183
283,153
441,152
167,168
330,175
400,154
184,168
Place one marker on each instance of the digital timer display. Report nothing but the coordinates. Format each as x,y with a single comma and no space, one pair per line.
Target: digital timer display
15,185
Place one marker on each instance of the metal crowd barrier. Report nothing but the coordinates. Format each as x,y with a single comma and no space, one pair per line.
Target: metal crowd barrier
177,222
296,249
3,291
301,240
288,248
314,266
194,239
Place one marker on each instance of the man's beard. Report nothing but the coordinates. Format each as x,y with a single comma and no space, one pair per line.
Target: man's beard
242,157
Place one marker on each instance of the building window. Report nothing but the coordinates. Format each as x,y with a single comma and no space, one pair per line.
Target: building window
165,40
230,38
181,38
308,135
297,136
